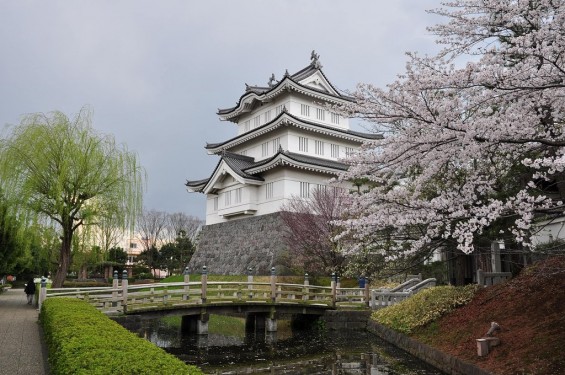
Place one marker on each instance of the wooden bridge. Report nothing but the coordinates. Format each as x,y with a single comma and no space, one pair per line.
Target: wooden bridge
195,300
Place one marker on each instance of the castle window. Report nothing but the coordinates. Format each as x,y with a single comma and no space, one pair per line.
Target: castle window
238,194
256,121
319,145
320,114
132,245
244,153
215,203
305,110
269,190
246,126
227,198
276,144
303,144
335,118
278,110
348,151
267,116
335,151
304,190
265,149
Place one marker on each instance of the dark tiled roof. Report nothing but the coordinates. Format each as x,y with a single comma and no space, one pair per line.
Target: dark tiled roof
296,77
195,183
316,161
311,69
305,159
256,89
239,163
329,128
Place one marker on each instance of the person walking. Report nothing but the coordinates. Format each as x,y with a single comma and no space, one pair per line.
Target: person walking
30,291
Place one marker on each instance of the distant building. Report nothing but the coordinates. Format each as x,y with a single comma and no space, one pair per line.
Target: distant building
288,142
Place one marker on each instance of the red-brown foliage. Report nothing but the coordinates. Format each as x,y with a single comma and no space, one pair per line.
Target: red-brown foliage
531,312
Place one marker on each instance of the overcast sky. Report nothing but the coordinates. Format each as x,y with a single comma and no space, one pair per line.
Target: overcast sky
155,72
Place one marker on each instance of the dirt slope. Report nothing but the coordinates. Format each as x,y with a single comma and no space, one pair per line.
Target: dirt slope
531,311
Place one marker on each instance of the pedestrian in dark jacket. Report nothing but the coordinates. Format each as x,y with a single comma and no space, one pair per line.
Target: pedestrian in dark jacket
30,291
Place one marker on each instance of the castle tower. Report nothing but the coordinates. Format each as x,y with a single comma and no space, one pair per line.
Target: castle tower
288,142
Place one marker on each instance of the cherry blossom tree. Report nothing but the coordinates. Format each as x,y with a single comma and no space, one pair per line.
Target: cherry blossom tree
473,137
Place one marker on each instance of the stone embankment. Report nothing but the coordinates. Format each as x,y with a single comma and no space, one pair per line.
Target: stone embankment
346,320
445,362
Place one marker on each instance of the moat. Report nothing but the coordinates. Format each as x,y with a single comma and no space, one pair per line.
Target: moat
229,349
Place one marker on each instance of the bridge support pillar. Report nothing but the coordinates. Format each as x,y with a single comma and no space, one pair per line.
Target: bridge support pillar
270,325
260,323
195,324
202,325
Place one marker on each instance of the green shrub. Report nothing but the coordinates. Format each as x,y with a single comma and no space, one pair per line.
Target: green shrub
85,284
82,340
424,307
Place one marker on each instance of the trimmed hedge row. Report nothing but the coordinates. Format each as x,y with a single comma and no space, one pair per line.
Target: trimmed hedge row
82,340
424,307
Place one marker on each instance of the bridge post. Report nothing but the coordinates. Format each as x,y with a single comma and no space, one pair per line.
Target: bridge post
204,282
115,281
273,285
333,285
186,295
125,288
367,292
250,282
306,290
42,291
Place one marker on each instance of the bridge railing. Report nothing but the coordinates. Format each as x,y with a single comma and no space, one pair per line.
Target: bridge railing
127,297
384,297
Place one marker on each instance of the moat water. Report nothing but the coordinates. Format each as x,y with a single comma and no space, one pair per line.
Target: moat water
229,349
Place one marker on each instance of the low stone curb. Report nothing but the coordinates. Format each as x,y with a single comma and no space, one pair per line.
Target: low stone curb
444,362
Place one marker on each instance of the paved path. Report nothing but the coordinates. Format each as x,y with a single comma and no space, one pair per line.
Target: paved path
22,349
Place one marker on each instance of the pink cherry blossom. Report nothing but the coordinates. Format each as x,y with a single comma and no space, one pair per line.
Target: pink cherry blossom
473,136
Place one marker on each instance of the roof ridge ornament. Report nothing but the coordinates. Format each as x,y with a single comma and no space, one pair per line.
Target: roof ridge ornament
315,60
272,80
286,73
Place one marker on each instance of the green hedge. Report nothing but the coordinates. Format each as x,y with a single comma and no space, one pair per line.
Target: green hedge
424,307
82,340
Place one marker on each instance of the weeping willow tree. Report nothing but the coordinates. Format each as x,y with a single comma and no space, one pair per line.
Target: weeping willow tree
60,169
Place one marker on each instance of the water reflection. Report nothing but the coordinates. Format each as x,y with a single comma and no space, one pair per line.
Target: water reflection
228,349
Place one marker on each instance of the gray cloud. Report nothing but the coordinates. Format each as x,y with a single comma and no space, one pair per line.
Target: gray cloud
155,72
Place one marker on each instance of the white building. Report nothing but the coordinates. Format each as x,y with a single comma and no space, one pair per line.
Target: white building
288,142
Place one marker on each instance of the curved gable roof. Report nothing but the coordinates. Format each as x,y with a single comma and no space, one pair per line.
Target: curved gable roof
234,164
285,118
293,82
287,158
244,169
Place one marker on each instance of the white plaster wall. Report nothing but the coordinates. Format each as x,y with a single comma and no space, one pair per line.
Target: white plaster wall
286,185
549,231
282,100
294,144
296,110
289,140
254,147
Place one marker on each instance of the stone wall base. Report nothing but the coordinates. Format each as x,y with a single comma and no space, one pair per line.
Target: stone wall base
346,320
232,247
444,362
